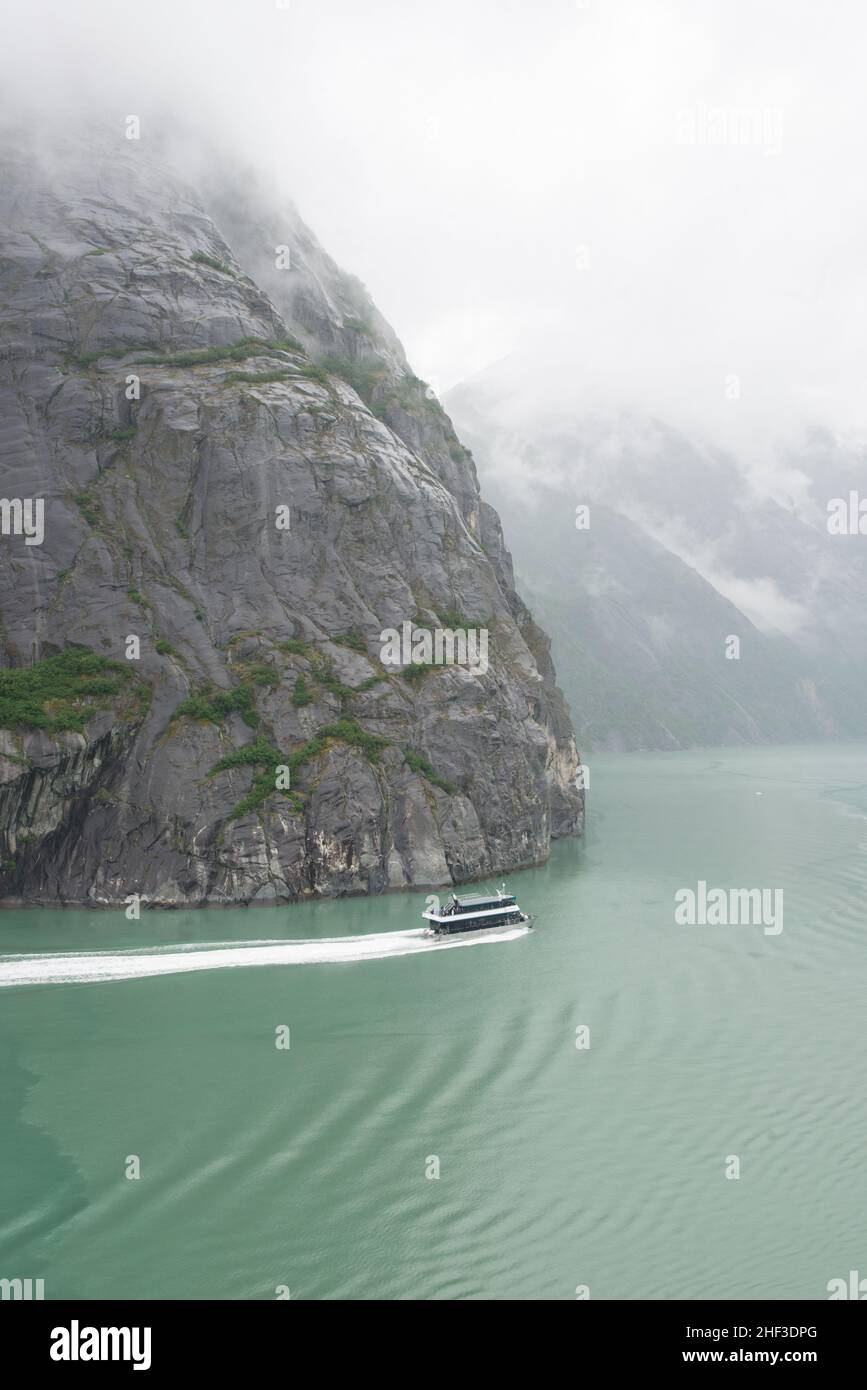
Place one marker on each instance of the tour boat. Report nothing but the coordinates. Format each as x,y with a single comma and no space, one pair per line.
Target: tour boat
476,914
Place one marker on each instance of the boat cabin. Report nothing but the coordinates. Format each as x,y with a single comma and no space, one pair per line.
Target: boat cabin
458,906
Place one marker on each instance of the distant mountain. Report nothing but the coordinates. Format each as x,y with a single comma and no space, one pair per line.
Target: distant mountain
682,552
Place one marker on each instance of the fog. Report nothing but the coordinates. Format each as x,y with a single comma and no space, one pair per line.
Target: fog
641,200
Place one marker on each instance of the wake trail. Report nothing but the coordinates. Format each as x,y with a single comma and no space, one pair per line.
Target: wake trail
97,967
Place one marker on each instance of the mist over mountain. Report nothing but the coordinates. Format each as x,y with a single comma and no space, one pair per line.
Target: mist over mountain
243,485
684,547
425,428
602,220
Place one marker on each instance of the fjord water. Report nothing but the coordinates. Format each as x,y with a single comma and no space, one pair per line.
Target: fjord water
559,1167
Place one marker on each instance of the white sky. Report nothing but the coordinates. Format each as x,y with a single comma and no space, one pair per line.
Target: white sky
456,155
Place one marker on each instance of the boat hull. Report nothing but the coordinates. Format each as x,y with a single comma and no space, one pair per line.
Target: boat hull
456,926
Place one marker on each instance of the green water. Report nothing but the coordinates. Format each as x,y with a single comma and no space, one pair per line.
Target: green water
606,1166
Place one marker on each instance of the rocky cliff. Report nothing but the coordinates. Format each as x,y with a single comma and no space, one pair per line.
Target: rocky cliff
244,484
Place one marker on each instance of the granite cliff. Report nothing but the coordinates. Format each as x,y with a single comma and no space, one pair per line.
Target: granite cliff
243,485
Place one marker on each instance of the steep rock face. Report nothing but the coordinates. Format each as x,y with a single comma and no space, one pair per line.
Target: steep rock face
167,405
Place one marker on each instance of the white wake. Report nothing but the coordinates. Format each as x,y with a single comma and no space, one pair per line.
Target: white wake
61,968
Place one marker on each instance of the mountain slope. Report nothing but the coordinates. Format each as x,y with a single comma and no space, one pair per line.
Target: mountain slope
681,553
259,663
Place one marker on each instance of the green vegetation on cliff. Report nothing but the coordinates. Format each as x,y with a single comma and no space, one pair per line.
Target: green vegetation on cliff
263,755
58,692
215,705
202,258
424,769
229,352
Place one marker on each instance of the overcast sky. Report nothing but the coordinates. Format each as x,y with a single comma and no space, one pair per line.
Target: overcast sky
656,193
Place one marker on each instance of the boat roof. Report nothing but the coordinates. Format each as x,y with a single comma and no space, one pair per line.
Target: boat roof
485,898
